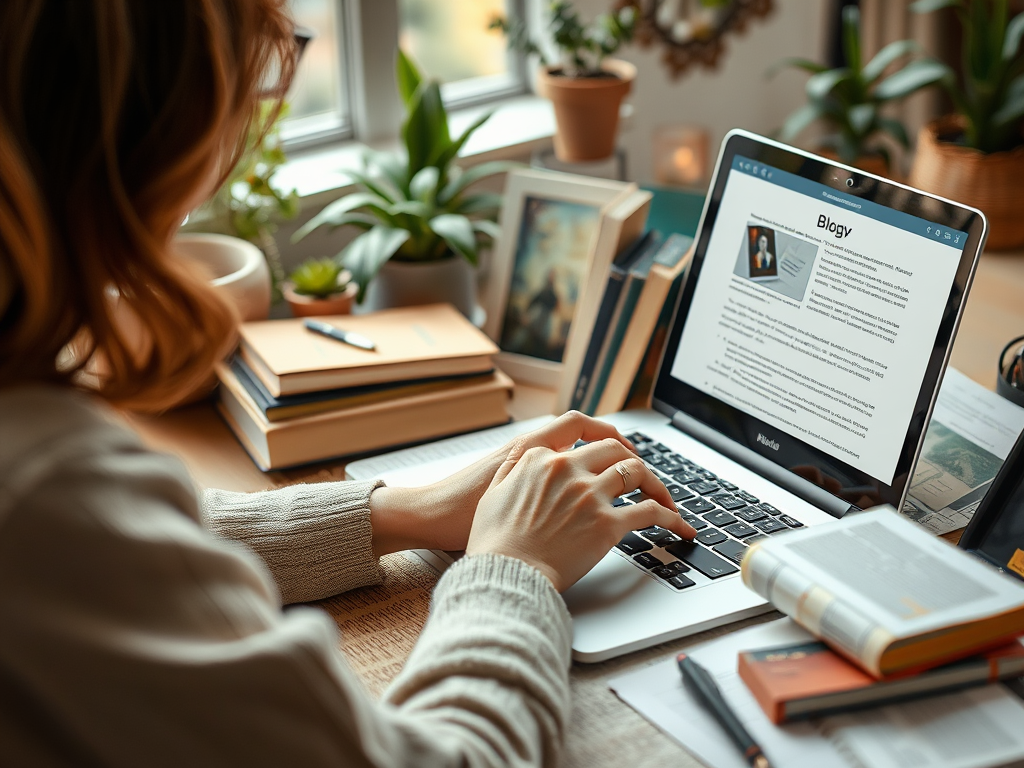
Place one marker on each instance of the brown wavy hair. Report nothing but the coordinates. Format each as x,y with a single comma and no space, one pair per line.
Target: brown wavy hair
116,118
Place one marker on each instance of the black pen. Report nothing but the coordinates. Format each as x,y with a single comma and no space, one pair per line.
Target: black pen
345,337
703,686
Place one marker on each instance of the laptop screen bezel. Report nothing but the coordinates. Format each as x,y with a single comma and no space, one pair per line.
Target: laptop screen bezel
674,396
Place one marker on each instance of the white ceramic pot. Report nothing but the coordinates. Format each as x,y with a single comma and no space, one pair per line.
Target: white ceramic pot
236,267
409,283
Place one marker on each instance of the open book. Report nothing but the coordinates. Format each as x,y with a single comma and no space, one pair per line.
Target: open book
886,594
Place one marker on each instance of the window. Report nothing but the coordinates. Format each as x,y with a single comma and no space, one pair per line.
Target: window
340,80
318,97
450,41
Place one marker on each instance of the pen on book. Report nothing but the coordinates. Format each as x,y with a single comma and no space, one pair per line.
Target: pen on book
345,337
707,692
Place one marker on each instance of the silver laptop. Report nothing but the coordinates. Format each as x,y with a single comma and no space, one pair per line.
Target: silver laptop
805,354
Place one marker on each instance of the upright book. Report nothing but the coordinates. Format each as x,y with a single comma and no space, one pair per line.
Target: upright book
412,343
886,594
622,224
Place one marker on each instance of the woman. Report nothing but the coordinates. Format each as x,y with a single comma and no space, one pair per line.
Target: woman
129,635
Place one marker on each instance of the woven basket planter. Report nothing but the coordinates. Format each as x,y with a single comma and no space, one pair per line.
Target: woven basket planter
991,182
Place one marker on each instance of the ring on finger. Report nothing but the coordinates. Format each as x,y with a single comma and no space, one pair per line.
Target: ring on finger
624,474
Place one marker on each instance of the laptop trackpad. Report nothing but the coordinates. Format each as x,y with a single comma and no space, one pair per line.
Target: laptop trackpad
612,581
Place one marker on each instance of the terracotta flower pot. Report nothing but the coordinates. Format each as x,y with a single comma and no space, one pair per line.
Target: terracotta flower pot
311,306
586,109
990,182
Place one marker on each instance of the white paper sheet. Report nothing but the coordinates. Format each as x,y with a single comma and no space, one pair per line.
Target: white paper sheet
897,736
971,432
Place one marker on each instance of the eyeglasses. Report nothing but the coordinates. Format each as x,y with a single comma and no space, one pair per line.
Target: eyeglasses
1010,383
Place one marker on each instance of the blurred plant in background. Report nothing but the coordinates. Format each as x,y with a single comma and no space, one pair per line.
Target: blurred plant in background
849,100
250,202
989,94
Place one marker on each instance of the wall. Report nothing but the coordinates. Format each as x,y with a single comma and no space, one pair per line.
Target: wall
736,95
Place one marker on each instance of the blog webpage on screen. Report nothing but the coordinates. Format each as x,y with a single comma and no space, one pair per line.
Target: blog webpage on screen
817,312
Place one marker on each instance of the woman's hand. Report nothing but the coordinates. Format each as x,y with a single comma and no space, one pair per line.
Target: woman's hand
439,516
554,510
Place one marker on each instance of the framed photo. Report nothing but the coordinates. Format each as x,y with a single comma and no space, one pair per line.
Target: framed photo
549,226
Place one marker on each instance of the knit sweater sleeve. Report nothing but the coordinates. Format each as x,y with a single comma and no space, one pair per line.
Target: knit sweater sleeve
316,540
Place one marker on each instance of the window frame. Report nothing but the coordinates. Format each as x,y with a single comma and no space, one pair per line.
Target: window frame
368,31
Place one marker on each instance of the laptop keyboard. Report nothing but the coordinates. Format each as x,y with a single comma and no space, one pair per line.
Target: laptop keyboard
727,520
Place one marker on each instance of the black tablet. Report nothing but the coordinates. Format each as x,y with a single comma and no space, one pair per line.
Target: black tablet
811,335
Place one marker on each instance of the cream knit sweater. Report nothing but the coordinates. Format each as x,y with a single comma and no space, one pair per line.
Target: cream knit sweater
131,636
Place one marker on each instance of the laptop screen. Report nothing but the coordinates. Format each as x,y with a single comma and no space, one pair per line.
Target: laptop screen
812,317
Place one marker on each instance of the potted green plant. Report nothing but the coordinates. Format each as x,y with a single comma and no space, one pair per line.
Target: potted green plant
251,202
585,87
319,287
850,100
422,230
976,154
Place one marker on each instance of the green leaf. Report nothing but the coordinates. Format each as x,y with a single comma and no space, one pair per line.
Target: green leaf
335,214
861,118
383,188
1014,31
805,64
473,175
895,128
416,208
913,77
1013,104
426,130
407,76
391,165
820,85
457,232
365,255
448,155
424,184
481,202
889,54
487,228
851,37
799,120
927,6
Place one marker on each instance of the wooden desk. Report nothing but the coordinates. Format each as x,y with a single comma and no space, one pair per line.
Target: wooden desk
379,625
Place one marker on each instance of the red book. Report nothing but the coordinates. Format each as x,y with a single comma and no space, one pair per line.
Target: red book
806,680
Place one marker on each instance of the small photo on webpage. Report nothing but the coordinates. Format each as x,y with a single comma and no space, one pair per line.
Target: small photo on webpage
777,260
762,262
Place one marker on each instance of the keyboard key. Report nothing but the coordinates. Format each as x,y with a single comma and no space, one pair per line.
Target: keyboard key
637,437
655,459
790,521
725,501
711,536
685,478
618,501
698,523
720,518
679,493
728,486
647,560
771,526
770,509
703,560
664,541
632,544
668,570
707,474
750,514
662,448
747,497
704,488
680,582
734,550
740,530
752,539
698,505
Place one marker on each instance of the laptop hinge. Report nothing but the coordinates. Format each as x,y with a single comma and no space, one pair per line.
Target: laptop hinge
753,461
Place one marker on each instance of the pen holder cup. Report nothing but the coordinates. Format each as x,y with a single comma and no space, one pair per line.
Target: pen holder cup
1010,376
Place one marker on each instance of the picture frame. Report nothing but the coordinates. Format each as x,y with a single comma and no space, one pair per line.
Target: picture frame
549,228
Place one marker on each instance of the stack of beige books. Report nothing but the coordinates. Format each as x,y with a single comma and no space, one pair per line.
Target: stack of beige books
293,396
